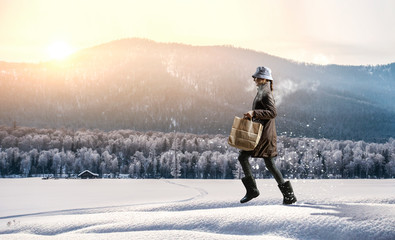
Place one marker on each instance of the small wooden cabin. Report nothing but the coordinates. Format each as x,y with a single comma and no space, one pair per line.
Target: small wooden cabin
88,174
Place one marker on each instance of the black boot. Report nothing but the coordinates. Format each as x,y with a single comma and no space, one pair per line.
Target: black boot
252,190
288,193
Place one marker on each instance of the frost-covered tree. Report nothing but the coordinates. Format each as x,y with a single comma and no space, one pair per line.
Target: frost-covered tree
175,164
144,163
43,161
69,162
115,167
131,170
67,143
57,164
105,166
9,141
337,165
390,166
3,163
25,164
357,159
378,165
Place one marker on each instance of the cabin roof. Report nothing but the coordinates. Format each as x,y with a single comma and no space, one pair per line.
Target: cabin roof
89,172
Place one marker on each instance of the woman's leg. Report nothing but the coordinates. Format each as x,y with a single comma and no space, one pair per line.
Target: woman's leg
245,164
285,187
274,170
248,181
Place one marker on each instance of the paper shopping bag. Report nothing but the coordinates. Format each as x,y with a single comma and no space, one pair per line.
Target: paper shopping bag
245,134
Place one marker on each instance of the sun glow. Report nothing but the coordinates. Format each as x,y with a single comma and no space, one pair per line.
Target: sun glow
59,50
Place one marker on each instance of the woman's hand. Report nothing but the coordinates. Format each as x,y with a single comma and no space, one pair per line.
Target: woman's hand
249,115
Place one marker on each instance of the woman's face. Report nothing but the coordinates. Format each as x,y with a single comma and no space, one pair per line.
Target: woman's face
259,81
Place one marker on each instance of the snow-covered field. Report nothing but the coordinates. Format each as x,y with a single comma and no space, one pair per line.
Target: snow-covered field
194,209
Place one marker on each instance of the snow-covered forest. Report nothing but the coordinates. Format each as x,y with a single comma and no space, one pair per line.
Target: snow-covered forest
126,153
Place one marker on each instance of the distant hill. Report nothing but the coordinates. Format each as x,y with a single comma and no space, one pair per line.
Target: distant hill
144,85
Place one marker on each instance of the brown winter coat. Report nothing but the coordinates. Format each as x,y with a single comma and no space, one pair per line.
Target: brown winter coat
264,112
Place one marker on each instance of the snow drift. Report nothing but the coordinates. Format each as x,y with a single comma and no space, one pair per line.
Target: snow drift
194,209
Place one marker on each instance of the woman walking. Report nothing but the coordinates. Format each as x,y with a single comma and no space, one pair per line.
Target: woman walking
264,112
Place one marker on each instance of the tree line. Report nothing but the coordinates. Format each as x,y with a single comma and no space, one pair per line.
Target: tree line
30,152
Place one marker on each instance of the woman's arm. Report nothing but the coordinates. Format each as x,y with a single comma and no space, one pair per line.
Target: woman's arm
268,113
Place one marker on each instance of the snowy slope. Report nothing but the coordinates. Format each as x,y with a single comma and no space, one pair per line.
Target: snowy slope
194,209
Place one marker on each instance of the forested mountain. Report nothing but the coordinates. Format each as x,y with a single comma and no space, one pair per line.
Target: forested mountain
143,85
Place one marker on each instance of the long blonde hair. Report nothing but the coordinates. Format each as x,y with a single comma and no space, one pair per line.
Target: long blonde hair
271,84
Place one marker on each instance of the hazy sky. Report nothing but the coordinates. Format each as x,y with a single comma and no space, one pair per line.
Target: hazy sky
320,31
